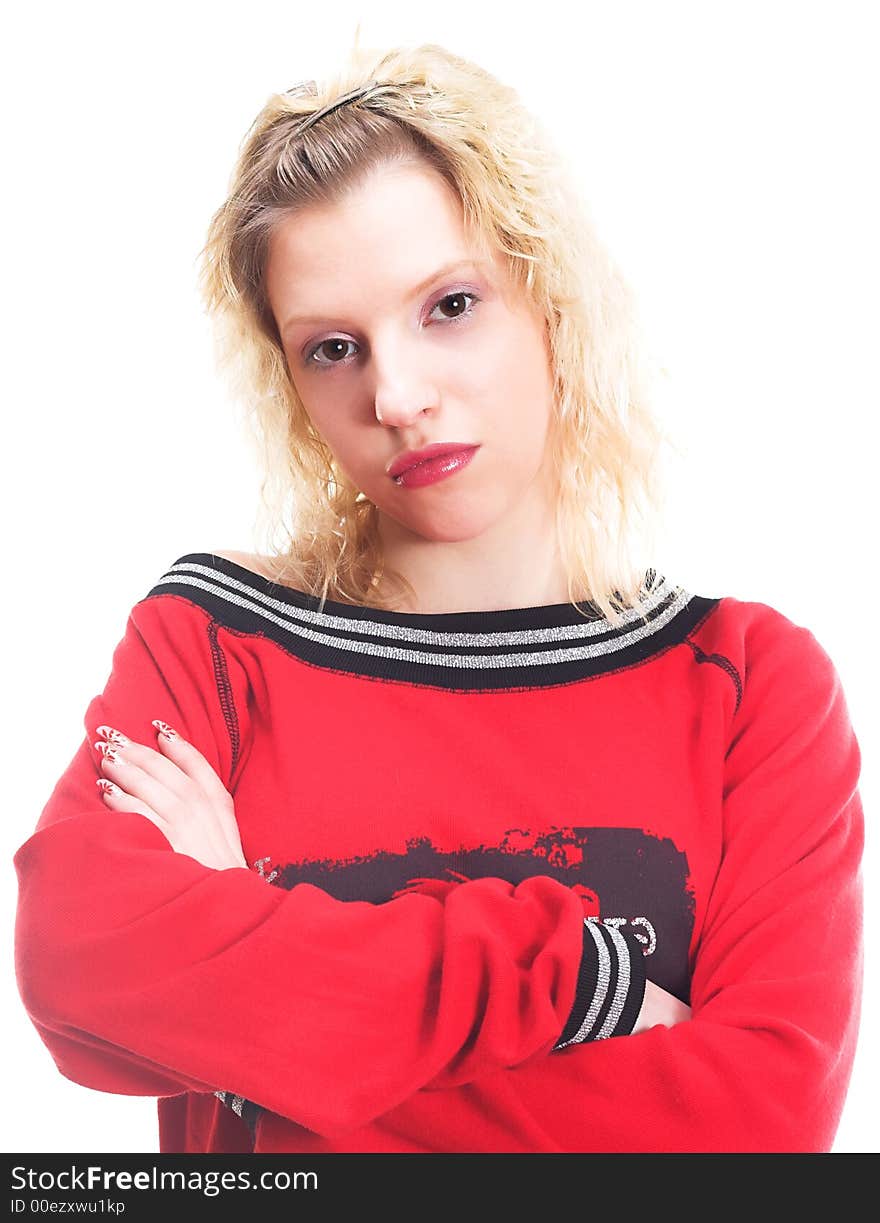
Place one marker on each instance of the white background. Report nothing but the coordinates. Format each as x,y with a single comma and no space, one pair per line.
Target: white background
728,154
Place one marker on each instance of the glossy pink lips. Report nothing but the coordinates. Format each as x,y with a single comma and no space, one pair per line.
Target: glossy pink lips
431,470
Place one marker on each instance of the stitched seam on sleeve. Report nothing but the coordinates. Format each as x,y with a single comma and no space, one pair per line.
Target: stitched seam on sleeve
225,695
724,663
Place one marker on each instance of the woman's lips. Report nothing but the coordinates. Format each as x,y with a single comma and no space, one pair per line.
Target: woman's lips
429,471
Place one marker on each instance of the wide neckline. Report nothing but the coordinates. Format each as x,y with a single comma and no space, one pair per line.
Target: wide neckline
493,620
505,649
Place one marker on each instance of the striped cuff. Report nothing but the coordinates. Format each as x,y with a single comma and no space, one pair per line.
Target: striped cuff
610,987
246,1109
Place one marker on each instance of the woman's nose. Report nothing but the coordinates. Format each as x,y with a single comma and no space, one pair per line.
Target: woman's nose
399,410
402,395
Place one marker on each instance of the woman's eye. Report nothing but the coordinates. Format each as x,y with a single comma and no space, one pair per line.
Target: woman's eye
333,351
456,301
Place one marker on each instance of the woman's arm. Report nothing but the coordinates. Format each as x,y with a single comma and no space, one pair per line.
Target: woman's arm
173,786
180,793
146,972
765,1061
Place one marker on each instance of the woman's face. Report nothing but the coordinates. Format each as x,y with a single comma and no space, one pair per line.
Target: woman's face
391,348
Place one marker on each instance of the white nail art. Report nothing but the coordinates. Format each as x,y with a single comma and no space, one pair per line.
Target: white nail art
113,736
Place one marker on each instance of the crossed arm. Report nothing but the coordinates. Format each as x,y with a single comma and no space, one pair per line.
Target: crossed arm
174,787
118,927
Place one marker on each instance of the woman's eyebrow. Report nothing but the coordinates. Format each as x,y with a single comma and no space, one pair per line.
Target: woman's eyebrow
458,265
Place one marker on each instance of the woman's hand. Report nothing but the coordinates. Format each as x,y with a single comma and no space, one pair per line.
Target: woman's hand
660,1007
177,789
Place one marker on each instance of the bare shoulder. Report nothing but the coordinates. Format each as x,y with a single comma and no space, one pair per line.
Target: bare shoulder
248,560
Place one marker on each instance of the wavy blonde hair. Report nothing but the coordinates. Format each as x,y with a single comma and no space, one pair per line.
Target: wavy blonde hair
434,108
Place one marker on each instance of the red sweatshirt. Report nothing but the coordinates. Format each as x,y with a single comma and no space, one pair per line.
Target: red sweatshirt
431,806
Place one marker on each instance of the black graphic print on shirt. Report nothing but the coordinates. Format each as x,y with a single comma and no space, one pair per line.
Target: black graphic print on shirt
623,876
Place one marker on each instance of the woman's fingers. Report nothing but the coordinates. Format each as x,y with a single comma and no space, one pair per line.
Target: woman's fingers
116,747
189,759
175,755
175,761
176,788
117,800
154,784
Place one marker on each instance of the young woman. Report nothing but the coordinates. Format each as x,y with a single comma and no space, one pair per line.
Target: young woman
447,825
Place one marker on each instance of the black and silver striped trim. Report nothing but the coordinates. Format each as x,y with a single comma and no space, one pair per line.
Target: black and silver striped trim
246,1109
610,988
529,647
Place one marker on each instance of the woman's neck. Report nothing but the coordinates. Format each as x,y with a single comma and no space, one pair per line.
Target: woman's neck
517,566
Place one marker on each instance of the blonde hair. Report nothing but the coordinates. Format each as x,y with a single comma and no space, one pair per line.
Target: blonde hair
437,109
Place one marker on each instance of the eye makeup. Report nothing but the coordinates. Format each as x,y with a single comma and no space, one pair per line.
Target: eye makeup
464,292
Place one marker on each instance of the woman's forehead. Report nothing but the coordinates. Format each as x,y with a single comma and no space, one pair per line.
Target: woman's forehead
393,204
399,235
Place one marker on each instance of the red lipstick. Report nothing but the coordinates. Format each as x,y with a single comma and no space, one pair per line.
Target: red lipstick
414,468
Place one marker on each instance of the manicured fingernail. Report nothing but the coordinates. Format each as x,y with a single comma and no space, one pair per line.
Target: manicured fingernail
110,751
164,729
109,787
113,736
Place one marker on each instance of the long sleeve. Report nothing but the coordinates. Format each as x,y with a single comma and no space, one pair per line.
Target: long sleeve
765,1061
147,973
